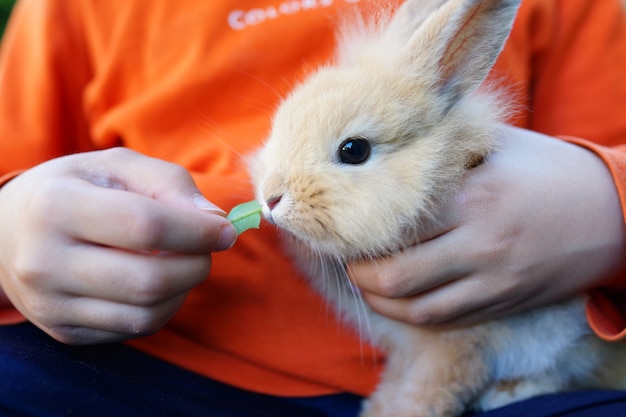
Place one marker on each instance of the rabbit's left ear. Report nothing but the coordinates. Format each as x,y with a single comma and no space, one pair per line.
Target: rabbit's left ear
410,16
460,42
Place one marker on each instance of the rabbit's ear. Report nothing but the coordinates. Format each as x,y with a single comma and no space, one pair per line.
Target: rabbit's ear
460,42
410,16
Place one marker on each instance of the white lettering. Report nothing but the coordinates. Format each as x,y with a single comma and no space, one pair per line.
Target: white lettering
309,4
236,20
271,12
242,19
255,16
289,7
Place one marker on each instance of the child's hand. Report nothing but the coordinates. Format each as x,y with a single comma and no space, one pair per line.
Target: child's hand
104,246
538,222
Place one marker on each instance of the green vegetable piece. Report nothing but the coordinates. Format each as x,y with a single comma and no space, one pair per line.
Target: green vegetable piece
245,216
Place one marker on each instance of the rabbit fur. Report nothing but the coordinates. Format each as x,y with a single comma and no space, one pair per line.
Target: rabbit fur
411,85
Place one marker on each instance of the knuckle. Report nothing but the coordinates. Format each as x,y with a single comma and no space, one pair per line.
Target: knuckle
119,153
28,269
426,318
389,284
44,196
206,263
198,267
145,230
65,336
145,323
157,282
424,313
149,289
47,203
143,327
177,173
40,309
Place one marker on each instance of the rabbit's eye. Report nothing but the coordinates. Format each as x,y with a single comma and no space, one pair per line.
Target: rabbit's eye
354,151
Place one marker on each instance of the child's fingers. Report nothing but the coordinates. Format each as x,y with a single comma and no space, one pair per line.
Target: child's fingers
132,278
124,219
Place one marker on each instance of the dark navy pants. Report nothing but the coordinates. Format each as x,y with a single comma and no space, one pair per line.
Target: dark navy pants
40,377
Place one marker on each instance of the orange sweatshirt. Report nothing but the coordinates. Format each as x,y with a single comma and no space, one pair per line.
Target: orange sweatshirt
196,82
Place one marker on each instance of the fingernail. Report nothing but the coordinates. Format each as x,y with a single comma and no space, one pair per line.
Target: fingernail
202,203
228,237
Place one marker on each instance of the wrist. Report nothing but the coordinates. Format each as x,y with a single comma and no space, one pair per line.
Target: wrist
611,184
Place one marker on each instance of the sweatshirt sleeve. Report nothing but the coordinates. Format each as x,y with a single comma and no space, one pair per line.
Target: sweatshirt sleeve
606,307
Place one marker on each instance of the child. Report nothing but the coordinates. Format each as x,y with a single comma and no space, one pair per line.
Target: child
117,118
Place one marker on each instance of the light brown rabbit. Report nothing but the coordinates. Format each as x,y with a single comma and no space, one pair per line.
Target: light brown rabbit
362,152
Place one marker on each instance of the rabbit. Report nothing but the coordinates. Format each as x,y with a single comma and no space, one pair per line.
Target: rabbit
362,152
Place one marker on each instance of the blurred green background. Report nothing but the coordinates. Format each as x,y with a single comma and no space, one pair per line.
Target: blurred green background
5,10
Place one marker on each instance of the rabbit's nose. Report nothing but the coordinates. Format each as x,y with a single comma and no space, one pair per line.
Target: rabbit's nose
272,202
